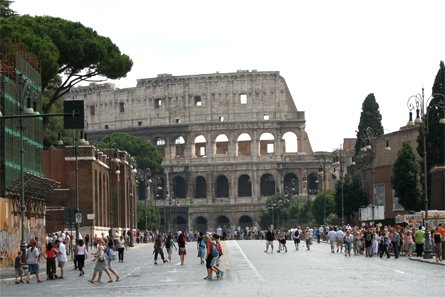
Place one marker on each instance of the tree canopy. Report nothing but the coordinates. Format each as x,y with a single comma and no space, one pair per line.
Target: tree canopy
353,196
406,178
319,204
66,50
5,10
145,154
370,117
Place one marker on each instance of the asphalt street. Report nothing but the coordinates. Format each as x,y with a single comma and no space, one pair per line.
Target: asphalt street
249,272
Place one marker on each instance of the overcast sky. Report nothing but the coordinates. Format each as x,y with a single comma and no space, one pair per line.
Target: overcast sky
332,54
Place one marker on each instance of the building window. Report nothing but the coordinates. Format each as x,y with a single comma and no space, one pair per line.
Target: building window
198,101
106,127
243,98
121,106
92,110
139,124
178,121
158,103
221,119
266,117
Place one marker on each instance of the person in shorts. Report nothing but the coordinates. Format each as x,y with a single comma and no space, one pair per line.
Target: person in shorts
18,268
181,247
61,257
269,239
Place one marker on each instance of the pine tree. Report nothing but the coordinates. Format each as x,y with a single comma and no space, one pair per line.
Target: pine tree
406,178
5,11
369,118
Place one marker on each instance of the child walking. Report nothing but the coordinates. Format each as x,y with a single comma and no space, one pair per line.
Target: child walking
18,265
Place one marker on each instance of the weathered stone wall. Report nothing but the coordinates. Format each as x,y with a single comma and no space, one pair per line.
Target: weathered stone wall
167,107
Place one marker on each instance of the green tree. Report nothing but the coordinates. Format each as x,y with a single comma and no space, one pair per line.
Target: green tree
69,53
406,178
370,117
145,153
435,144
153,216
5,10
353,197
319,204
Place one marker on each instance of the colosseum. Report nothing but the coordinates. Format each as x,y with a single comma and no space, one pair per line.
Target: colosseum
228,140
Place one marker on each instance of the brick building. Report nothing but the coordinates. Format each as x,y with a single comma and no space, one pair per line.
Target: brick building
106,189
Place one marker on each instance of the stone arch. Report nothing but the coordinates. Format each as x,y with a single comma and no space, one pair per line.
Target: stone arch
290,142
222,187
267,185
266,144
181,223
200,187
221,145
179,151
291,184
179,188
200,148
222,221
244,145
201,224
245,221
313,183
244,186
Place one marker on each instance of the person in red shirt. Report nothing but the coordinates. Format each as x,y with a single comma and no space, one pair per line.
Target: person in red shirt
50,255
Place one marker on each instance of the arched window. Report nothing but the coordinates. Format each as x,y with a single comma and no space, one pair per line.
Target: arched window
222,221
244,145
200,146
221,144
244,186
200,187
290,142
160,144
179,147
266,144
267,187
201,224
179,189
245,221
291,184
313,183
222,187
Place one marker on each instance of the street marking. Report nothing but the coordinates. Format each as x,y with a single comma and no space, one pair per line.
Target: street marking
399,271
252,267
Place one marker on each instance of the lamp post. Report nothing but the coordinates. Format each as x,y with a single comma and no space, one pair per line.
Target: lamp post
338,161
147,195
322,171
369,137
112,151
423,109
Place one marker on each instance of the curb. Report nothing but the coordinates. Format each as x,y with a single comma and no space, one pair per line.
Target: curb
426,261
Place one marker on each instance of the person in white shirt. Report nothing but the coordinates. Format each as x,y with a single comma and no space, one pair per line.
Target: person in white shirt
340,236
332,236
62,258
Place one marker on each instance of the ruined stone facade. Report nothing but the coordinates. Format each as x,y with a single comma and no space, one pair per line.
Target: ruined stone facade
229,141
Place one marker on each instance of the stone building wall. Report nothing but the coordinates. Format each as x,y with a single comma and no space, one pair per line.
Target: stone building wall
214,128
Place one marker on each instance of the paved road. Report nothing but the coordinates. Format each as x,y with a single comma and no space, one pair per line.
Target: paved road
251,272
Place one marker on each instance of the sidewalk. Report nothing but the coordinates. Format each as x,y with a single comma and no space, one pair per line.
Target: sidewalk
7,275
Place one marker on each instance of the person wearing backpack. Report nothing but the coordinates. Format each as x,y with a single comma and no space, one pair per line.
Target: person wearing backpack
296,236
384,242
169,244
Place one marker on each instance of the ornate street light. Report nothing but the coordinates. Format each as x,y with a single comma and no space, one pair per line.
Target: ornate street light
423,109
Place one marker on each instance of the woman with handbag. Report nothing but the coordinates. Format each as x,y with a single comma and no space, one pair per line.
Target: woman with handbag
101,262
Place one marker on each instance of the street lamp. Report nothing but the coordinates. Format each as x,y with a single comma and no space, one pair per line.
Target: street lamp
322,172
369,139
112,158
423,109
338,161
148,182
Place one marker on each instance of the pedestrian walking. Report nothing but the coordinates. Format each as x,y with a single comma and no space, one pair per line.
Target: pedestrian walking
383,245
270,237
296,236
61,257
409,242
395,243
332,237
348,239
368,238
169,245
181,247
18,267
437,243
32,260
101,262
109,251
158,246
419,239
121,247
82,254
201,247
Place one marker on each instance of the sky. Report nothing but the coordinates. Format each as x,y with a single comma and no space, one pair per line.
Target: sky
332,54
